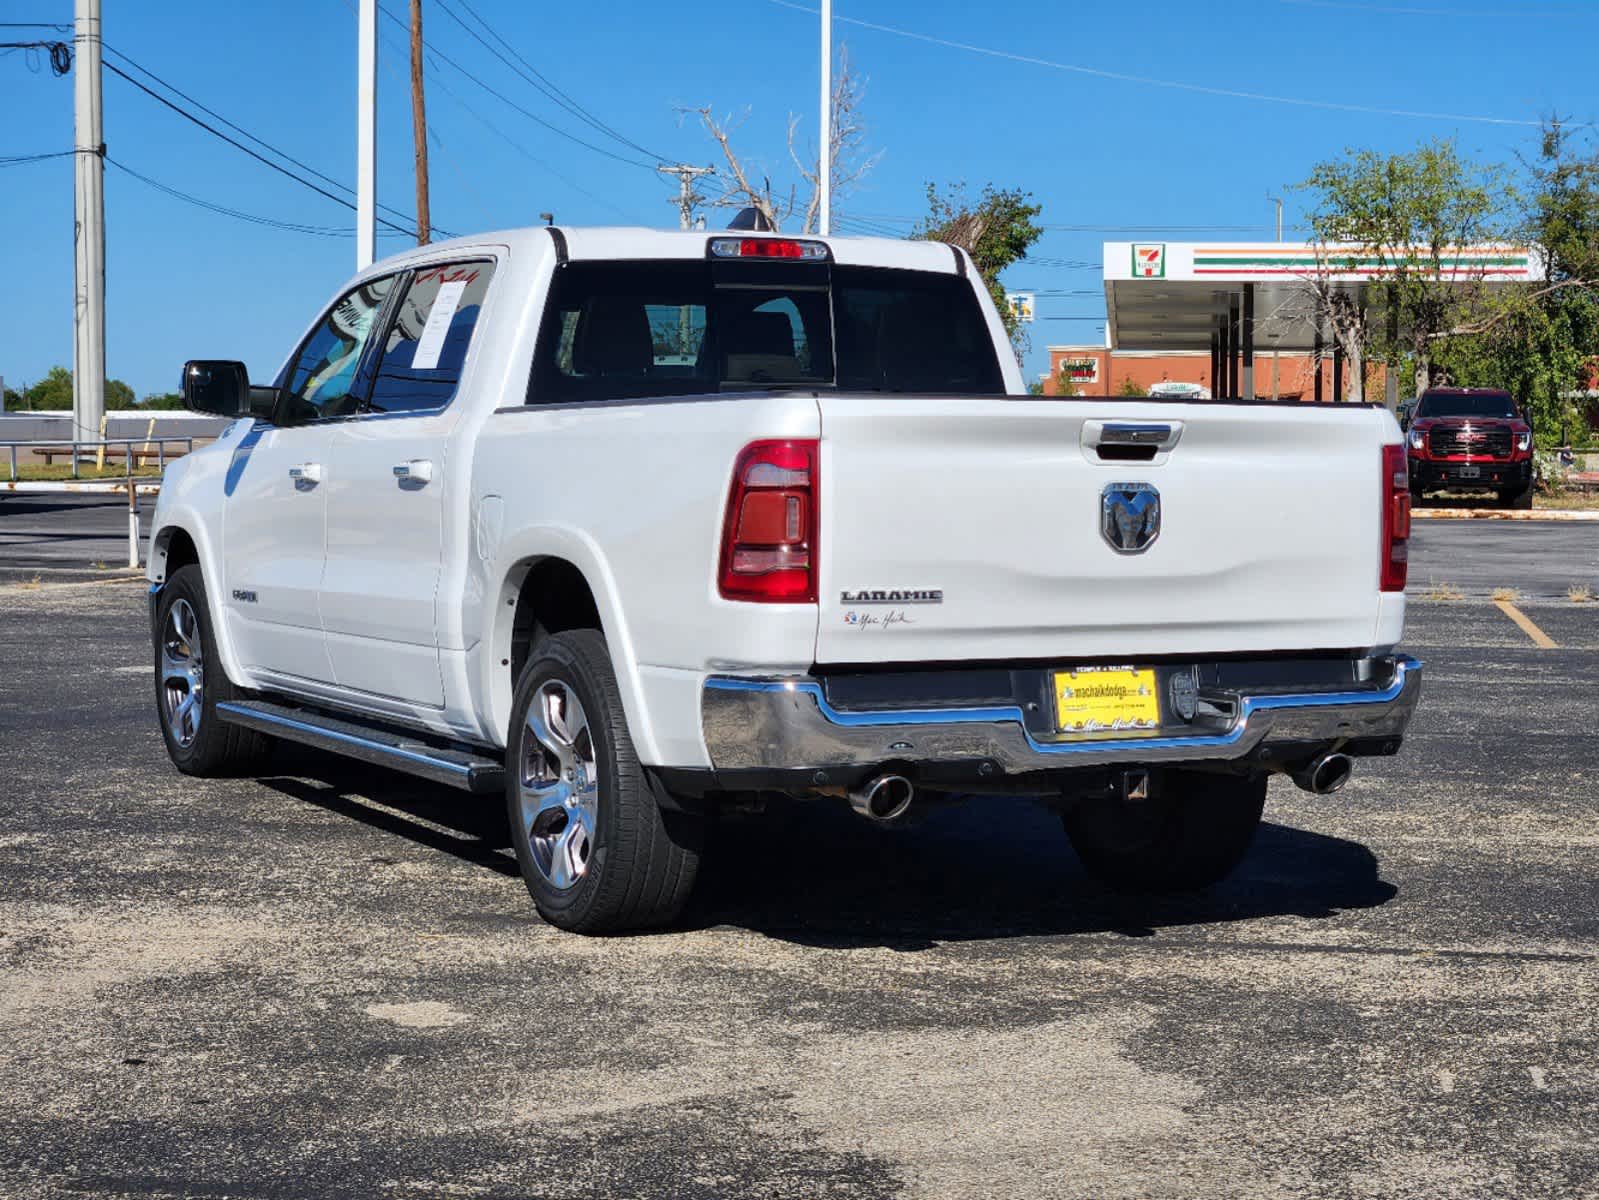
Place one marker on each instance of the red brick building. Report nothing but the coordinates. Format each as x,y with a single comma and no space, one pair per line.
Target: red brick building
1096,371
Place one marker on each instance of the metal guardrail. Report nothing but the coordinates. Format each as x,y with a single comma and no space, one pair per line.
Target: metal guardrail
95,450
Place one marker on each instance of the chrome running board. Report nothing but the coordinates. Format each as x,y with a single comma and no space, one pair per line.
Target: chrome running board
454,766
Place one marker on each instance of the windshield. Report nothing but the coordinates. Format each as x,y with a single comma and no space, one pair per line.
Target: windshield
1475,404
672,328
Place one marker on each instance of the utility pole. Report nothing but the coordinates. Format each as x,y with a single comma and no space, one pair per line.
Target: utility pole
687,197
419,128
88,327
1277,200
824,170
366,142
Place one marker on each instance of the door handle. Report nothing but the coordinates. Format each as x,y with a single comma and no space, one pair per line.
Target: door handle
306,473
418,470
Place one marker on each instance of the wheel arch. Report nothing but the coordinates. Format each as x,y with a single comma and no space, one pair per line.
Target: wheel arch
555,581
180,541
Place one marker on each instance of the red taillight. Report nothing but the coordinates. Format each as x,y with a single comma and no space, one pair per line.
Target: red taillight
769,532
767,247
1395,519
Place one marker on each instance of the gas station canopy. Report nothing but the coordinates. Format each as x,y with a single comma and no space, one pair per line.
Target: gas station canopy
1237,299
1176,295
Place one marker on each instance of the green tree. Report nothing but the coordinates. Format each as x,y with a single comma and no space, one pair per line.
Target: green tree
1407,212
164,400
997,230
52,393
1541,341
118,394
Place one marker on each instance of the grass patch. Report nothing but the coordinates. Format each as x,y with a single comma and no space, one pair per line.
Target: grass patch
1579,593
1442,591
1570,500
1508,595
62,472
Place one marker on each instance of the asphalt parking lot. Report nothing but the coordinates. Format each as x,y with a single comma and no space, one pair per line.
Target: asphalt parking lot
330,982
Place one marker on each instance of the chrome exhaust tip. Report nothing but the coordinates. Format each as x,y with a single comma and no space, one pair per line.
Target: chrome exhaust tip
1324,775
885,798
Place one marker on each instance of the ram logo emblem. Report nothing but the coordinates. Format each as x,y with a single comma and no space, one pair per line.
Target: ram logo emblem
1130,516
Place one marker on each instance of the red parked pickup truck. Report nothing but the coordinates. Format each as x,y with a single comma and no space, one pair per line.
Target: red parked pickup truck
1471,439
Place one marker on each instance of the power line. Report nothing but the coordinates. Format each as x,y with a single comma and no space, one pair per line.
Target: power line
883,219
549,87
60,54
238,214
283,154
1516,14
215,132
1177,85
16,160
528,113
495,129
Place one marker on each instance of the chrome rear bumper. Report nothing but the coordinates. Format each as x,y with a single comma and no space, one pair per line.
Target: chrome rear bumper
786,724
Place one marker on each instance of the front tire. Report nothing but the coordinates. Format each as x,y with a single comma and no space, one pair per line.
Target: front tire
190,682
1520,500
1191,834
598,852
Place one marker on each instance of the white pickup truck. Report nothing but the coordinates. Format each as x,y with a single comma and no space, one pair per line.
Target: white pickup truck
627,526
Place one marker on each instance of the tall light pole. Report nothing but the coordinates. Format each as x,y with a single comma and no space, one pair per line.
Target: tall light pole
366,148
88,322
824,175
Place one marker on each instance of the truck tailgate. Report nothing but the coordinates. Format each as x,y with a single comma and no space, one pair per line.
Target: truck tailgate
970,529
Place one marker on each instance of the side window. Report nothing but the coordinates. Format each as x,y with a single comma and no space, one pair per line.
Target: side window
426,345
322,382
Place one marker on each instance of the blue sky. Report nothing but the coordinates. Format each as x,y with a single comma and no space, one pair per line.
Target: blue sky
1098,152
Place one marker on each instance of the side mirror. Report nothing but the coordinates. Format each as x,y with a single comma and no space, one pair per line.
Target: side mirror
223,389
217,387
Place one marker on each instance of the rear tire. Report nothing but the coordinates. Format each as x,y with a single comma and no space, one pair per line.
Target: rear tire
598,851
1189,835
190,683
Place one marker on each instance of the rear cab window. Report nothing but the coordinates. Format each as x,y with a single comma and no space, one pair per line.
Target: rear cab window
617,330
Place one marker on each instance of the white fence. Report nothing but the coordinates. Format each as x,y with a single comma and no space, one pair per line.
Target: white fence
120,423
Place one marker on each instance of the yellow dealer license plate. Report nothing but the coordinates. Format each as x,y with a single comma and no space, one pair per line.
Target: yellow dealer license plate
1097,699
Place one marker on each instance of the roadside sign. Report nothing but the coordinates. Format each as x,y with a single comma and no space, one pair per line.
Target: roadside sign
1022,306
1149,260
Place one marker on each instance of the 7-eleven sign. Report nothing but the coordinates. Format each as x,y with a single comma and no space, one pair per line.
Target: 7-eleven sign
1149,260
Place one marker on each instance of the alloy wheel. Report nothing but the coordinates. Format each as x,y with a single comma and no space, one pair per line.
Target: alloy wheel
182,673
559,786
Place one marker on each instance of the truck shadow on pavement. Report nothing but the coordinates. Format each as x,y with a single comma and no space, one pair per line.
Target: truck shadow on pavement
993,867
813,874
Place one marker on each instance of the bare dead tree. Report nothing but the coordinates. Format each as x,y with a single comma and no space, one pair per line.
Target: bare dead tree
739,188
847,150
1321,302
746,184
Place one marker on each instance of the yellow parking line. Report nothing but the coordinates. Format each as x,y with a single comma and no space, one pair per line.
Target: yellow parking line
1539,638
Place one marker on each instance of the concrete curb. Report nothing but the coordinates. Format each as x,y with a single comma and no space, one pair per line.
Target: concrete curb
1502,514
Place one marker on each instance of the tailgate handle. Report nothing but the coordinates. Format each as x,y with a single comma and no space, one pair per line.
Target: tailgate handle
1134,435
1130,441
